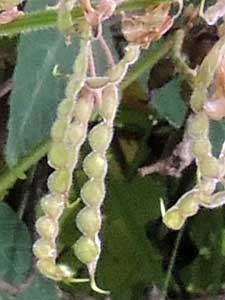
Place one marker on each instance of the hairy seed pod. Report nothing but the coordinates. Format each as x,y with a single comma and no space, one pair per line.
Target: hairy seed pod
58,155
93,192
64,109
201,148
218,200
53,205
58,130
60,181
95,165
198,126
174,219
117,72
188,204
88,221
48,268
100,137
86,250
42,249
76,133
132,53
209,167
82,110
47,228
204,199
97,82
110,102
207,185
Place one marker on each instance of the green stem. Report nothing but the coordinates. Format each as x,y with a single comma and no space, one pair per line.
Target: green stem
48,18
147,62
9,176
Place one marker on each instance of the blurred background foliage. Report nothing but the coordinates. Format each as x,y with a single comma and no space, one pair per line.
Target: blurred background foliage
137,262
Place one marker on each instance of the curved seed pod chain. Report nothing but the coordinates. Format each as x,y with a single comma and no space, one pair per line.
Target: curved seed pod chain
67,137
210,170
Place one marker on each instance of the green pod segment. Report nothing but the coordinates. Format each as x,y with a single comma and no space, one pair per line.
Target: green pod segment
217,200
60,181
110,102
198,126
47,228
83,109
49,269
76,134
86,250
59,155
58,130
201,148
188,204
100,137
95,165
93,192
174,219
64,109
43,249
117,72
53,205
132,54
88,221
209,167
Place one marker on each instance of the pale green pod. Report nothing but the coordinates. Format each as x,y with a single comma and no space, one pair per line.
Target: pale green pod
53,205
86,250
100,137
58,155
47,228
132,54
58,130
60,181
205,199
88,221
42,249
174,219
93,192
217,200
188,204
207,185
97,82
198,98
64,108
95,165
76,134
201,147
49,269
117,72
198,126
110,102
83,109
209,167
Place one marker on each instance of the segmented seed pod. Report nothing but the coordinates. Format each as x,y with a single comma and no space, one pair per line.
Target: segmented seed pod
88,220
188,204
67,134
198,126
173,218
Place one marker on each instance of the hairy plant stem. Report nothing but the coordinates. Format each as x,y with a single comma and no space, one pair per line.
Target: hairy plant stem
48,18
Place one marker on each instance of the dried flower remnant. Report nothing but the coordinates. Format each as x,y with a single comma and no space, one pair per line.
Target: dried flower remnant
215,106
10,11
146,27
214,12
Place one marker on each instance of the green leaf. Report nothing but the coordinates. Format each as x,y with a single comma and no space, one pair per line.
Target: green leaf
6,297
40,289
217,134
15,247
169,104
36,93
129,262
207,270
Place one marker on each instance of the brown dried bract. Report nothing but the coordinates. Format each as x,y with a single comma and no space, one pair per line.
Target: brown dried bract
149,26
